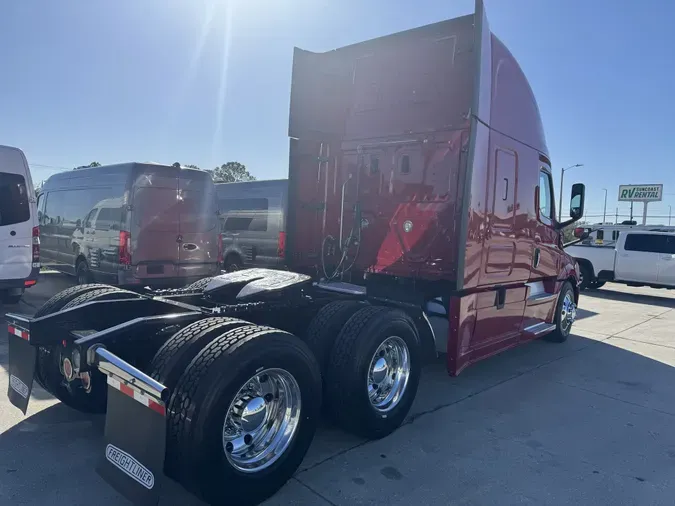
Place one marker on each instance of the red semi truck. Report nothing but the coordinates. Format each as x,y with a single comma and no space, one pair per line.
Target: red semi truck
421,220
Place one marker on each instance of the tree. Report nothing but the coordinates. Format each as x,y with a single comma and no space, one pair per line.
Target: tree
231,172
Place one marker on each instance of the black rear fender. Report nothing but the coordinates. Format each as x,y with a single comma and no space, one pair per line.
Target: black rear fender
107,315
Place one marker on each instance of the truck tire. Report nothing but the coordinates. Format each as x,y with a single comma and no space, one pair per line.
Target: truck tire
109,293
245,372
82,272
597,284
43,370
198,286
11,299
177,352
72,394
326,326
373,372
564,315
587,277
62,298
233,263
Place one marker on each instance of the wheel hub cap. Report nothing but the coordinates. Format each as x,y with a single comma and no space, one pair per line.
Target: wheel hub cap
380,370
388,374
254,414
568,313
262,420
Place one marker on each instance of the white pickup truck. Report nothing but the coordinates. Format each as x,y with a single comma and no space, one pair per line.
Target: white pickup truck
637,258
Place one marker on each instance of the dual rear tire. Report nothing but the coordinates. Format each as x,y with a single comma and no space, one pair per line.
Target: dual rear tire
371,365
246,399
244,408
93,398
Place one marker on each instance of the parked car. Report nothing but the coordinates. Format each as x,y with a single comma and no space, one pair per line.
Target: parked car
19,233
637,258
253,217
130,224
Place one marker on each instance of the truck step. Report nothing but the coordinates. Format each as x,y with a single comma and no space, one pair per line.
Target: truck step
539,329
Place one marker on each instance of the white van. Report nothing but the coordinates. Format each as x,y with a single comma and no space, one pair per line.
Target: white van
19,232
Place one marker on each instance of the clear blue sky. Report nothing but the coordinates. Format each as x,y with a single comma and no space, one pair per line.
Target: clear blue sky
142,79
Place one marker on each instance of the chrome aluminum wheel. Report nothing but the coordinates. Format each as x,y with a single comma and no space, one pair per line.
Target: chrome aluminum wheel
388,374
568,312
262,420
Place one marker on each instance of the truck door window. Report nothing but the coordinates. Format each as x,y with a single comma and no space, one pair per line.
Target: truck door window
88,219
545,196
109,218
374,164
670,245
599,237
647,243
405,164
41,203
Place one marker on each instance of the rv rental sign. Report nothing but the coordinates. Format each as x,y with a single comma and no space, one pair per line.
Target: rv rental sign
640,192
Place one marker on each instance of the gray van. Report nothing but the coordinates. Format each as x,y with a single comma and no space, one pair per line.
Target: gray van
132,224
253,218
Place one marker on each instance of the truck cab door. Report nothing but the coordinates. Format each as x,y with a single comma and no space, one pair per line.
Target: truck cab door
640,258
545,261
546,250
667,263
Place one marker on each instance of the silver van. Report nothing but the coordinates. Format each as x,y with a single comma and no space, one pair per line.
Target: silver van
253,218
131,224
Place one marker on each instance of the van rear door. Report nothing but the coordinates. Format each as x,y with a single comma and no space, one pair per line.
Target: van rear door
155,223
198,224
17,209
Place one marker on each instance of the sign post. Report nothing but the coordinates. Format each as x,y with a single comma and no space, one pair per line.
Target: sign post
640,193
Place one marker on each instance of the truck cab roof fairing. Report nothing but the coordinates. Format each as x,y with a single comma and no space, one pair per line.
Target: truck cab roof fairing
512,97
502,91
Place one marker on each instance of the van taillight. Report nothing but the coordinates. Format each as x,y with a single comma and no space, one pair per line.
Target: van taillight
281,251
125,248
220,249
36,246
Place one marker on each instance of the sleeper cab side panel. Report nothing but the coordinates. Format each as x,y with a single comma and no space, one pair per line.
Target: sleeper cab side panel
480,329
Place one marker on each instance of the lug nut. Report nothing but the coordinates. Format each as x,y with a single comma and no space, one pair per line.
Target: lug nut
248,439
263,378
375,387
229,447
269,397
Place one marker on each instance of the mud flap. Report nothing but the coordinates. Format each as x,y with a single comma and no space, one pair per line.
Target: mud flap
21,370
134,444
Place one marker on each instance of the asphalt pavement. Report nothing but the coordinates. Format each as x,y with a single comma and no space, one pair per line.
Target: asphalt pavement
589,421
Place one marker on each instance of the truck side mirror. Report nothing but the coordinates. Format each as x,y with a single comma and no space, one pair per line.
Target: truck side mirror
577,201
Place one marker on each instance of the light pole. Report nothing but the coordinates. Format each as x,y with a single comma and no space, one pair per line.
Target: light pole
604,211
562,177
670,211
